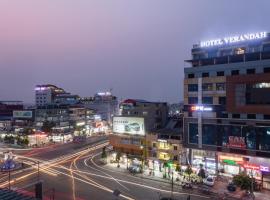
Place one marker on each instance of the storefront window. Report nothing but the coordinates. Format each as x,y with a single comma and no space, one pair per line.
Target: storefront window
193,133
250,134
264,138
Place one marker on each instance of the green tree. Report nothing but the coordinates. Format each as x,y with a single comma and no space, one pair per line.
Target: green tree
189,171
47,126
104,154
118,156
201,172
243,181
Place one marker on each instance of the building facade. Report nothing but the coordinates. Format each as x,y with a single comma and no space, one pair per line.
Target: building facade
227,104
46,94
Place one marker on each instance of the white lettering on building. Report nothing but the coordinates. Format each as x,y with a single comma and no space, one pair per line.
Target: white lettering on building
233,39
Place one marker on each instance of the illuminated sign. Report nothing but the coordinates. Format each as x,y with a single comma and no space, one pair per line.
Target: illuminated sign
236,159
22,114
238,142
129,125
201,108
251,166
230,162
264,168
233,39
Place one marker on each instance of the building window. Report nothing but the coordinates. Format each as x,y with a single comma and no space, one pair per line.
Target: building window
207,100
192,100
205,74
175,148
221,73
175,158
224,115
193,133
154,145
191,76
251,71
234,72
207,86
222,100
251,116
239,51
220,86
266,70
266,117
193,87
237,116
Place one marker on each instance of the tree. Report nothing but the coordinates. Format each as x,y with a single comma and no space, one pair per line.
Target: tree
189,171
104,154
118,156
178,168
201,172
47,126
243,181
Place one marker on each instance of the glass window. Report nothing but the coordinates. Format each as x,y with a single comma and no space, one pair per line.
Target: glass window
234,72
191,75
193,133
207,100
264,138
209,134
207,86
192,87
220,86
251,71
236,116
205,74
221,73
266,70
192,100
222,100
250,134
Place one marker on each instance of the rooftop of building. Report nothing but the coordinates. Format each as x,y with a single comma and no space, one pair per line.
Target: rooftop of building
134,101
232,49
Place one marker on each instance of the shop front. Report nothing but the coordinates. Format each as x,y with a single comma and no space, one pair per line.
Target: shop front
206,159
258,168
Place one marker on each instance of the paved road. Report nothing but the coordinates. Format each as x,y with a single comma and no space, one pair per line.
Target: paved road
72,173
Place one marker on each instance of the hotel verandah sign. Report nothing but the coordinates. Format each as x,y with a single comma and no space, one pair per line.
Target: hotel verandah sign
233,39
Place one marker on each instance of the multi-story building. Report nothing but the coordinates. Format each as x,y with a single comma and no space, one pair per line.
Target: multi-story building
137,119
104,104
227,111
46,94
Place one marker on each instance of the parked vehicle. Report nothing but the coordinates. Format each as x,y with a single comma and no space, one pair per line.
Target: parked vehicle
135,169
186,185
231,187
210,181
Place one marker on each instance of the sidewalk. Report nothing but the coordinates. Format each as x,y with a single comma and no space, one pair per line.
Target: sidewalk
220,187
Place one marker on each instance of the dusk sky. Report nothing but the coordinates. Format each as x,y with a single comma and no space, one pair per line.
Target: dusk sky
135,47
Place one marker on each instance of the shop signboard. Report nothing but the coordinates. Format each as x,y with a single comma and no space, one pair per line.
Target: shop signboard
251,166
22,114
235,141
129,125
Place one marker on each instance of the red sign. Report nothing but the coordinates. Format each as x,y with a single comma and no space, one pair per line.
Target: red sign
238,142
252,166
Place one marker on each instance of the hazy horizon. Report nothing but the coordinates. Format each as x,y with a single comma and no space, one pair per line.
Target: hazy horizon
137,48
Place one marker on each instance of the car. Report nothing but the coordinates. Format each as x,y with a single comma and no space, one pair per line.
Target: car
132,127
231,187
135,169
210,181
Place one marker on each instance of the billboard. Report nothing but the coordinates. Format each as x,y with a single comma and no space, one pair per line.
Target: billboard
22,114
129,125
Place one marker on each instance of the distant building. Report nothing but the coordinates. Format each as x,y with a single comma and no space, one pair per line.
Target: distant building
104,104
7,108
46,94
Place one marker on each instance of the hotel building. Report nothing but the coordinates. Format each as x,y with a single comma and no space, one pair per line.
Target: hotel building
227,105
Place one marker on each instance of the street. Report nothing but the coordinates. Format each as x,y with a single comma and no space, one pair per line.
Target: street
71,171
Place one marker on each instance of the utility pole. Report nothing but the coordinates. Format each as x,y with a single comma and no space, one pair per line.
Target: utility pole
9,178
